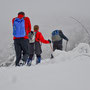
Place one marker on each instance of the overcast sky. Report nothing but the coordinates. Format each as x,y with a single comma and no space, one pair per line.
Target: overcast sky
42,12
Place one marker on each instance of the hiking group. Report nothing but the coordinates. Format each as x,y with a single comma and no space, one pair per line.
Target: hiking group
27,42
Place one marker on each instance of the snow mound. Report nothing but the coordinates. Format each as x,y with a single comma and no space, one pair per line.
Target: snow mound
82,48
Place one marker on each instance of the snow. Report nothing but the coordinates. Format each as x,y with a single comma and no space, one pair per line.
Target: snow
67,71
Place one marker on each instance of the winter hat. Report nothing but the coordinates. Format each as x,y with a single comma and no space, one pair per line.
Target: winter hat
22,13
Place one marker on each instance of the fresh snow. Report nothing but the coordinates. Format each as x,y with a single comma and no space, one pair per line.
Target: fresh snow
67,71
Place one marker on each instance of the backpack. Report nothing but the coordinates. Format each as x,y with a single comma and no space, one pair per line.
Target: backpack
19,27
56,36
32,37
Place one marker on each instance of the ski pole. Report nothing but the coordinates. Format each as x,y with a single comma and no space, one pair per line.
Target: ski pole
66,46
52,51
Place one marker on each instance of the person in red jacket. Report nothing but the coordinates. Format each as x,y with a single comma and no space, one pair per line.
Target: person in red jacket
21,43
35,47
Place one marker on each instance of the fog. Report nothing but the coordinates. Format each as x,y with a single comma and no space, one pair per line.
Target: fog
49,15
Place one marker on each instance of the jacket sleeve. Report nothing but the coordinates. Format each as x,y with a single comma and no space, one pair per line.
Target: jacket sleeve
13,21
29,25
41,38
63,36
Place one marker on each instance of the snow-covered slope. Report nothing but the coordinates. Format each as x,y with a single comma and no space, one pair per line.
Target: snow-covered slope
67,71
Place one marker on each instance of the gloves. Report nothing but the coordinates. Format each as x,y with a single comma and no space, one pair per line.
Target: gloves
49,40
32,32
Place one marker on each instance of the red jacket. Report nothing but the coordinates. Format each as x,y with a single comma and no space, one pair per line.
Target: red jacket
27,25
40,38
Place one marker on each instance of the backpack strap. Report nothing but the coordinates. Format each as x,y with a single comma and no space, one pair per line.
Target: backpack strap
23,17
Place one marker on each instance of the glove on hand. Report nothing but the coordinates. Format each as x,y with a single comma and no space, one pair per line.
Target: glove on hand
49,40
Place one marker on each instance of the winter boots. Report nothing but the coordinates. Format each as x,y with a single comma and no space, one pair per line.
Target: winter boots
29,62
38,60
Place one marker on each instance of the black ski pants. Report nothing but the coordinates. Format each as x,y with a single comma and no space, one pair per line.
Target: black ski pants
35,48
21,47
31,56
57,45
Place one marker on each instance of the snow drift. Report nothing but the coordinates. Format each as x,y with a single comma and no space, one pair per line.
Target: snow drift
67,71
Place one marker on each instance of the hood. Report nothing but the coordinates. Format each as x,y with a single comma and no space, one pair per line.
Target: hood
20,16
